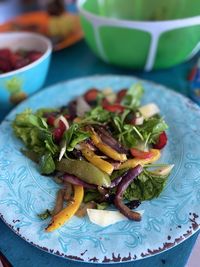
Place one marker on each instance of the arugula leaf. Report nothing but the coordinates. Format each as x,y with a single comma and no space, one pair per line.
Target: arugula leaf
78,137
127,134
133,96
152,128
47,164
69,133
131,135
74,136
97,114
146,186
47,139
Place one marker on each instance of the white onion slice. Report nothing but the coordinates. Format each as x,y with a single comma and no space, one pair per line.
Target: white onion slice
82,106
105,218
149,110
63,119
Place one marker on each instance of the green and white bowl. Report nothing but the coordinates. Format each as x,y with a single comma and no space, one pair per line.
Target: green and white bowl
142,34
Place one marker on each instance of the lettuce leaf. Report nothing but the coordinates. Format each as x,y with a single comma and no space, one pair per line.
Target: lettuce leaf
33,131
147,186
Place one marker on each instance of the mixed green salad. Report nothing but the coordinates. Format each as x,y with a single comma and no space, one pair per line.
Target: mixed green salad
101,148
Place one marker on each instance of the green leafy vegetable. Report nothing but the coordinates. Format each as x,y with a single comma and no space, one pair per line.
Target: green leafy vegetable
133,96
117,173
147,186
97,114
47,164
74,136
152,128
131,135
91,195
34,132
78,137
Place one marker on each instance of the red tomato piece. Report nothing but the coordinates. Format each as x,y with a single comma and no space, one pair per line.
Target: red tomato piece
141,154
120,95
91,95
51,120
62,126
162,141
57,134
114,108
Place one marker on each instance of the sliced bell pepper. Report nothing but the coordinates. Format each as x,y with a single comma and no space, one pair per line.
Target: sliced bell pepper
107,150
139,154
97,161
64,215
131,163
83,170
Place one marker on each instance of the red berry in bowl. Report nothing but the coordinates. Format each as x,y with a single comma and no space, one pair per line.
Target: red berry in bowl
5,65
22,62
5,53
10,60
34,55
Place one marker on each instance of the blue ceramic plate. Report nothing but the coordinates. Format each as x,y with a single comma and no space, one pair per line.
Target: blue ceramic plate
167,220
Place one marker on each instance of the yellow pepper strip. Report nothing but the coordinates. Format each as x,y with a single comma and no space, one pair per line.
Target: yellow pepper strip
107,150
131,163
65,214
97,161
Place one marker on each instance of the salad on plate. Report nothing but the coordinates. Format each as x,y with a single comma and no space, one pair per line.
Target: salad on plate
102,149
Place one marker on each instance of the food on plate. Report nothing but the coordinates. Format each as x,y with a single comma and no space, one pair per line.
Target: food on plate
14,60
102,149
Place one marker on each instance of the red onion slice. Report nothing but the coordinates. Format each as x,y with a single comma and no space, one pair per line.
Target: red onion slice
72,179
110,141
125,182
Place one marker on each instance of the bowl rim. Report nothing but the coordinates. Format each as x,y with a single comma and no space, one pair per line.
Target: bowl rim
142,23
36,62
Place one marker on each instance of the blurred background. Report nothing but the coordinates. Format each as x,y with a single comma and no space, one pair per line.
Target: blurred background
11,8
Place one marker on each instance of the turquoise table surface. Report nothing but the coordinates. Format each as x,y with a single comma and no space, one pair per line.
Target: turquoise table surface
78,61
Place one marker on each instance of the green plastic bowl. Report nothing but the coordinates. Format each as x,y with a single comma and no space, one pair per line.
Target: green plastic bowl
142,34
